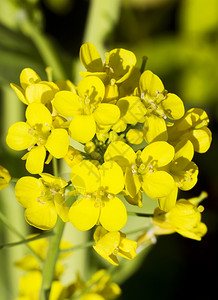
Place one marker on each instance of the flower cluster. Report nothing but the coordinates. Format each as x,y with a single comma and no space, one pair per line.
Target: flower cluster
114,109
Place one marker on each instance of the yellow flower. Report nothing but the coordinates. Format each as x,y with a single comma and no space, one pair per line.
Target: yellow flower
98,187
110,244
86,109
118,63
33,89
37,135
43,199
73,157
5,178
184,218
183,171
146,170
193,127
160,105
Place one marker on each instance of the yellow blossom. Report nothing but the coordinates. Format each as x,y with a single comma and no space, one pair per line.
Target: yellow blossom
193,127
184,218
98,187
86,109
37,135
111,244
43,199
33,89
5,178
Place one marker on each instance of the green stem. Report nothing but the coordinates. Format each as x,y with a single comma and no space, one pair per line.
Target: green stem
55,166
25,241
50,263
144,61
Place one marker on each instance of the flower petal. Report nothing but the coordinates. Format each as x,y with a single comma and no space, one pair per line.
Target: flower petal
120,152
132,109
39,93
27,190
58,142
92,89
35,160
154,129
84,214
113,214
173,107
90,58
20,93
18,137
82,128
85,177
28,76
160,152
37,113
111,177
61,207
168,202
41,215
150,83
106,114
67,104
158,184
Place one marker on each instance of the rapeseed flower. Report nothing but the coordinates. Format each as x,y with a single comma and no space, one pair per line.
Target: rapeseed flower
86,108
43,199
144,170
98,204
184,218
37,135
110,244
33,89
192,126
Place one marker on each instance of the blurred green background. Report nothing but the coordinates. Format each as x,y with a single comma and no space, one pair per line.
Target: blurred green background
180,38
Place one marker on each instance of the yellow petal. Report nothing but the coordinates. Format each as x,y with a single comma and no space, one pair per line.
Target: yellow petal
82,128
121,61
37,113
28,190
127,248
201,139
184,152
132,182
39,93
58,142
154,129
158,184
168,202
67,104
5,178
85,177
173,107
20,93
160,152
90,58
106,246
61,207
111,177
35,160
106,114
92,89
51,180
18,137
84,213
41,215
113,214
150,83
120,152
132,109
27,77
